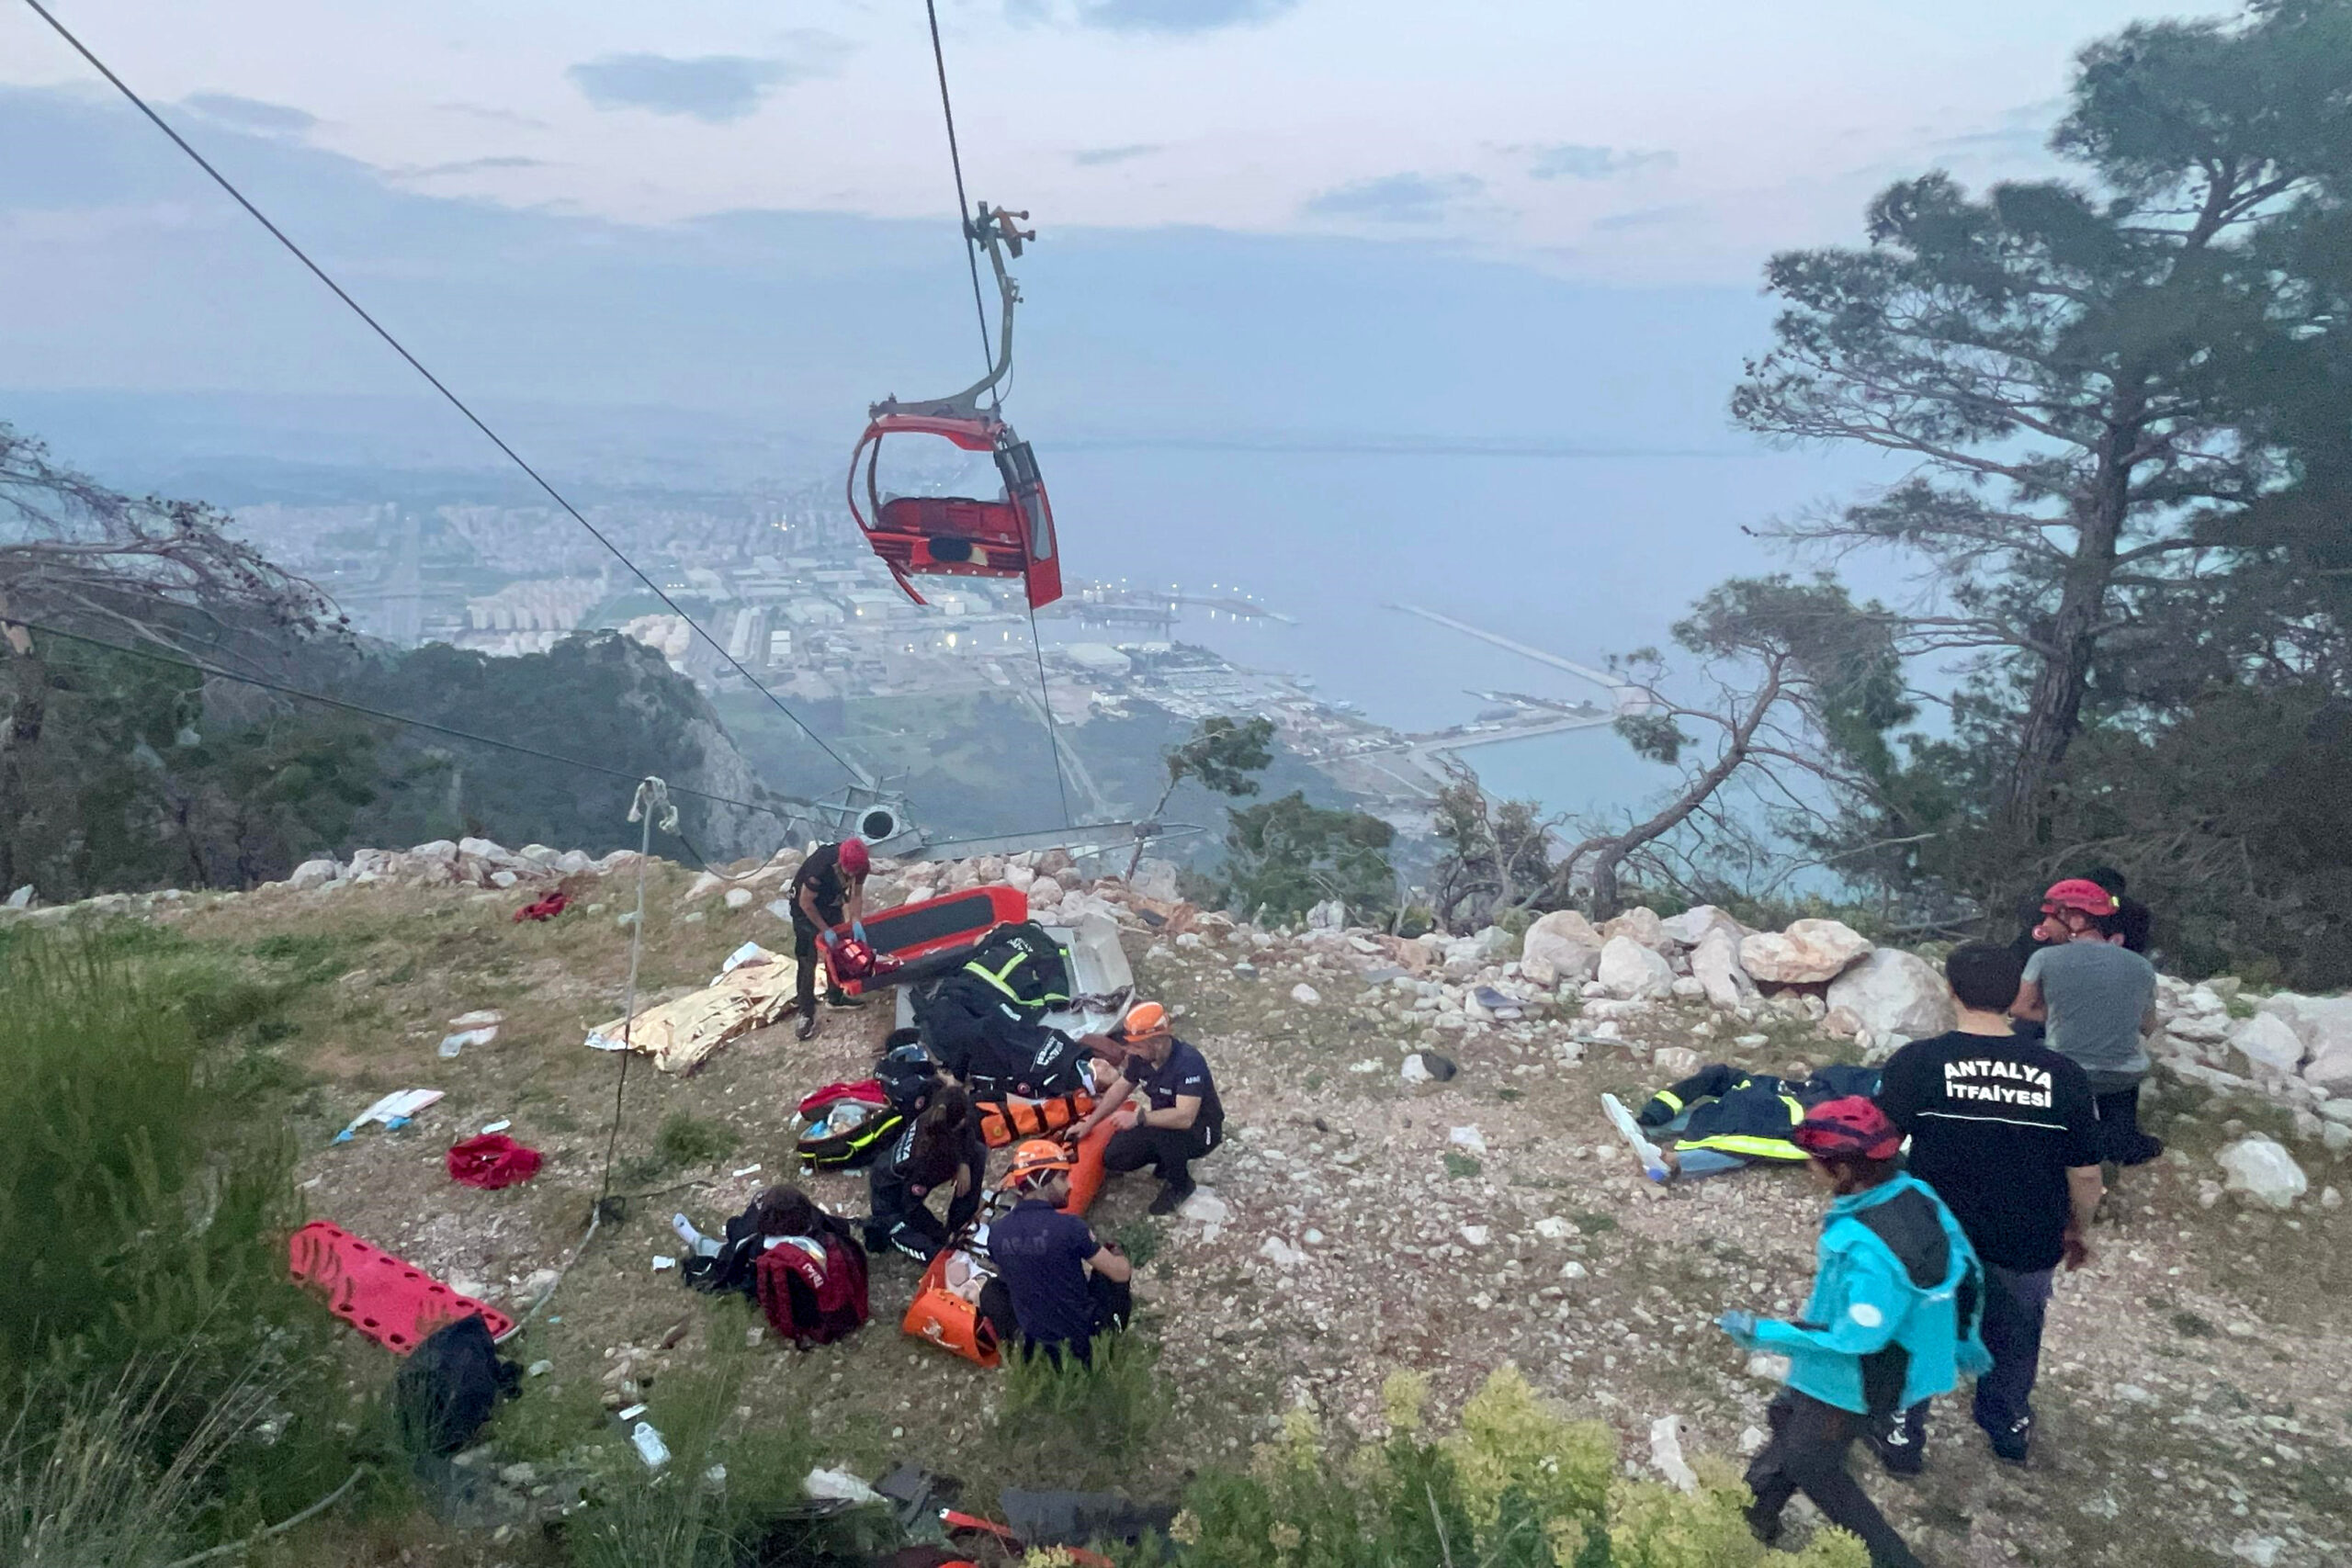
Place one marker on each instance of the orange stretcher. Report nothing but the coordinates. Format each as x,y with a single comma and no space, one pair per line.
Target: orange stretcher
387,1299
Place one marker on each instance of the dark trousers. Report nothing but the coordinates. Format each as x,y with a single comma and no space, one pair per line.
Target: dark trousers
2120,1138
914,1231
2016,1302
1169,1151
803,949
1807,1454
1115,1302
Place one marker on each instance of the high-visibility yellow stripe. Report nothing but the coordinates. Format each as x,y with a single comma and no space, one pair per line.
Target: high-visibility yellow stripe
1671,1100
1746,1143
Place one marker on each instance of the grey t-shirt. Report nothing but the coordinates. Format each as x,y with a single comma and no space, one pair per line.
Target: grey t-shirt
2097,993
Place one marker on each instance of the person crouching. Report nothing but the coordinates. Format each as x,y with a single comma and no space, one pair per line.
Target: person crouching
1056,1287
1182,1117
939,1150
1892,1321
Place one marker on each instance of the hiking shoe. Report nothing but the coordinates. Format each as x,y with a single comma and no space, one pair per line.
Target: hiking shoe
1653,1160
2012,1441
1764,1527
1171,1196
1901,1449
807,1027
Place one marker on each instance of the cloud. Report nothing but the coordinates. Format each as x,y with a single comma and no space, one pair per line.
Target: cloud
251,114
469,166
1154,15
1395,199
1574,161
498,115
1088,157
712,87
1648,216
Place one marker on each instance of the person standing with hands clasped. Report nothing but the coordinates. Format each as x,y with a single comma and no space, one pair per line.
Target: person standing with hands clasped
2006,1131
829,888
1892,1321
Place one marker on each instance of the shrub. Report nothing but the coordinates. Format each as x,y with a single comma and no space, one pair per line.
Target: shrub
1083,1425
1516,1485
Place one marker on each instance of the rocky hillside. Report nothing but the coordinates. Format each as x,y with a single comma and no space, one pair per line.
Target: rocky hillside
1418,1176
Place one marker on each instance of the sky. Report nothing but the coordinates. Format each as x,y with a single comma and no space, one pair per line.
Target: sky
1675,142
1304,265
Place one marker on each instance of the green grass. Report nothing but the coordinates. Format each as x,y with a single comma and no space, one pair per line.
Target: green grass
1084,1426
1459,1167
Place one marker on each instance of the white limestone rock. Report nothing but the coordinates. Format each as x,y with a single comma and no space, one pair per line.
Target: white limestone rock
2268,1041
2260,1171
1560,948
1629,969
1891,993
1809,952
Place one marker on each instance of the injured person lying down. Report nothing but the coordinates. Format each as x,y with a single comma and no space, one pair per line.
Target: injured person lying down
1723,1118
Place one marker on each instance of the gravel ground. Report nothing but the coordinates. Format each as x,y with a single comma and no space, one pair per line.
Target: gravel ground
2193,1397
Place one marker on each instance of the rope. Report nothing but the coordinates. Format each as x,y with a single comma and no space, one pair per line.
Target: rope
1053,732
215,672
652,802
280,1527
963,205
434,381
987,362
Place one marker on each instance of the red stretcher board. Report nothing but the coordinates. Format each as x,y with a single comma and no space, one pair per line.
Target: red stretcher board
387,1299
911,931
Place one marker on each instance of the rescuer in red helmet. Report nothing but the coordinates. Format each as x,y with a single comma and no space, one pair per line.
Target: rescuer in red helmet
828,889
2098,999
1892,1321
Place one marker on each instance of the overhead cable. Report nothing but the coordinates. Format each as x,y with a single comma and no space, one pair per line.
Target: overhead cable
436,383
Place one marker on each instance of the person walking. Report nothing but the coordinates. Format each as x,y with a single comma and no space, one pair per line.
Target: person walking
2006,1131
827,891
2098,999
1182,1119
1891,1322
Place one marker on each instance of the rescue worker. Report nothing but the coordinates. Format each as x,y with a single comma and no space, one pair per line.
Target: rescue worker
1892,1321
938,1149
828,889
1181,1119
2097,1000
1056,1287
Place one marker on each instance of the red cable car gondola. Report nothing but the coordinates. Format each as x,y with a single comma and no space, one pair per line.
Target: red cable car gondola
1009,536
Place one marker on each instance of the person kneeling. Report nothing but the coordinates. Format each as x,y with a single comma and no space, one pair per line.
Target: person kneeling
1892,1321
939,1150
1056,1287
1182,1119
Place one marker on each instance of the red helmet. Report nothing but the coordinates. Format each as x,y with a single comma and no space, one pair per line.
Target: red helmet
2078,893
1851,1126
854,861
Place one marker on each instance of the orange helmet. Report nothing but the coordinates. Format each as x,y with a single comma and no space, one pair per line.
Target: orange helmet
1036,1158
1145,1018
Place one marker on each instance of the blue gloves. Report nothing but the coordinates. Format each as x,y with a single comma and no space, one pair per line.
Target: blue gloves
857,929
1740,1325
827,937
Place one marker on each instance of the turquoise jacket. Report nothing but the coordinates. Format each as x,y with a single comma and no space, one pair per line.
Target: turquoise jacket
1896,1307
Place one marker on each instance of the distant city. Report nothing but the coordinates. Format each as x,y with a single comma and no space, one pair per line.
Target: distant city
788,586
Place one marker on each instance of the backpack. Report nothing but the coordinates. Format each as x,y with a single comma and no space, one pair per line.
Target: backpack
848,1136
811,1302
449,1385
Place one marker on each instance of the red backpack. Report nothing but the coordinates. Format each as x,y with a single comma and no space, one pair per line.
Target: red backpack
809,1303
